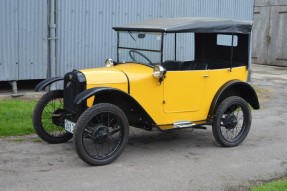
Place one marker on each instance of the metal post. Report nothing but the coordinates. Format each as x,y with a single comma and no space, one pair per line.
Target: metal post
161,48
175,34
249,58
231,57
118,44
52,39
14,86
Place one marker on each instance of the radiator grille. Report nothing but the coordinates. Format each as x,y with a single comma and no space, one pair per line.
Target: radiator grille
70,93
74,83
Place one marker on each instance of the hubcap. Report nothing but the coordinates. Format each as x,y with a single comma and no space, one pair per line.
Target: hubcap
230,122
100,134
58,117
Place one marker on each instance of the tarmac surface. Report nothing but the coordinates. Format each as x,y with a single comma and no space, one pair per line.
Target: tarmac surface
179,160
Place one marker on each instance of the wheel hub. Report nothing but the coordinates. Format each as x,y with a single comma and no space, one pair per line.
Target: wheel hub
100,134
230,122
58,117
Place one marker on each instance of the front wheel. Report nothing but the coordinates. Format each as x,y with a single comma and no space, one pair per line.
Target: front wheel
232,121
48,120
101,134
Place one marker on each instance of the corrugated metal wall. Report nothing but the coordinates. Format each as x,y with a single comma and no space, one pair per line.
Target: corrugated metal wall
84,30
8,40
23,40
33,35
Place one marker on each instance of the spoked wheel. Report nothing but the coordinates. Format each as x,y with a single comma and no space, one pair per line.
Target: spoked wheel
48,119
232,121
101,134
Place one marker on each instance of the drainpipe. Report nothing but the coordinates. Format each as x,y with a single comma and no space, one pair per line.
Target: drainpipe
52,43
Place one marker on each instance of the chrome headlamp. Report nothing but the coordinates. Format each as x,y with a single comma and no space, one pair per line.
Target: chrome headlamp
158,71
109,62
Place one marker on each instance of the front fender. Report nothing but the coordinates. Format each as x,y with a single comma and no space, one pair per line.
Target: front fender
47,82
87,94
135,113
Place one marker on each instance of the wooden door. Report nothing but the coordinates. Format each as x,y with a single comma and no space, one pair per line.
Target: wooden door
277,48
269,35
260,35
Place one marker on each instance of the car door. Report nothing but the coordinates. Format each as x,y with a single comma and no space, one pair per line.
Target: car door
184,91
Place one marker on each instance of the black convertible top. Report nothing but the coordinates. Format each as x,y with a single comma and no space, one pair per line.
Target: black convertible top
189,24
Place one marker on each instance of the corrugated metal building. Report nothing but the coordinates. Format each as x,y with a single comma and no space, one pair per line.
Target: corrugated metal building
39,39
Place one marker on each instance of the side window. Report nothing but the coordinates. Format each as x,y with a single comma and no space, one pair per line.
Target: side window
226,40
168,47
179,55
185,46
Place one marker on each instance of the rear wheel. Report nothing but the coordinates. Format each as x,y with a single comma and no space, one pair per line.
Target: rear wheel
48,120
232,121
101,134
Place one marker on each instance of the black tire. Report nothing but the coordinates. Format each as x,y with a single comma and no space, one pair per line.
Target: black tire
232,121
94,138
47,124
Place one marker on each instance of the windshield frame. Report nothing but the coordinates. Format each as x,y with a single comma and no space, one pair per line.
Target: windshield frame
140,49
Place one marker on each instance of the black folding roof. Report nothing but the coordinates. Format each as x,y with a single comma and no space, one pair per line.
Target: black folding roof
189,24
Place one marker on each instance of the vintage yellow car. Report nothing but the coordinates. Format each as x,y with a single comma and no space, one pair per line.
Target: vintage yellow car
170,73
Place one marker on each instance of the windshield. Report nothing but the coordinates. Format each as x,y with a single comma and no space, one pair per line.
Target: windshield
139,47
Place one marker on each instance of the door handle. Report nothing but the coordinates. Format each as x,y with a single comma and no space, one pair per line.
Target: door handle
206,76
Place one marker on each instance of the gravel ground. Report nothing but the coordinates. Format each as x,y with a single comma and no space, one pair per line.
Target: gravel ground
178,160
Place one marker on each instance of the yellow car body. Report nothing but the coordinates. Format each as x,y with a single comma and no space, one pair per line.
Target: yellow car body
181,96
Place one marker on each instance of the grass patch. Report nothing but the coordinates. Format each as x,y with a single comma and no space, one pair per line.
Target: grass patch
19,140
16,117
37,140
277,185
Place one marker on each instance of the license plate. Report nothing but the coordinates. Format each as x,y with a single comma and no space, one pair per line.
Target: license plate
69,126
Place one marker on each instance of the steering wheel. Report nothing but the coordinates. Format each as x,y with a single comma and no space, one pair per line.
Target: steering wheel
139,53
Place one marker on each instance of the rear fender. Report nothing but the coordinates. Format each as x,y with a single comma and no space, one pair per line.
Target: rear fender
234,88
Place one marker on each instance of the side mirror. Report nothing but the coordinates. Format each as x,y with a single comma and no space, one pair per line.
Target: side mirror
159,72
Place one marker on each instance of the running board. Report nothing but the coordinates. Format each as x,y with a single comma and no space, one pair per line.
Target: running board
183,124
